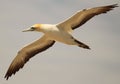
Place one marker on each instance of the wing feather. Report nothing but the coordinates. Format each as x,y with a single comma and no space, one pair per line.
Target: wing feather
26,53
83,16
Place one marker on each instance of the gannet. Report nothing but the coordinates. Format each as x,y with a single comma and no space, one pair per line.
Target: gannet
60,32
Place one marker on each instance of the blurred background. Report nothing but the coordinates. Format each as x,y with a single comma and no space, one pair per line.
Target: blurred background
61,64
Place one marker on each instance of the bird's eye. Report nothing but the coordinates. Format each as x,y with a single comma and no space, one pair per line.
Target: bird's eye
33,28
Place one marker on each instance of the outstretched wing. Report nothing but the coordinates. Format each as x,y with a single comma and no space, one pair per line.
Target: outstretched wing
83,16
26,53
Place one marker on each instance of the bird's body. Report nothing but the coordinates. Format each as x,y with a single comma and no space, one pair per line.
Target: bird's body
60,32
57,34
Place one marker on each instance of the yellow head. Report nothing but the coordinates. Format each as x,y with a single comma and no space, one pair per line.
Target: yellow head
36,27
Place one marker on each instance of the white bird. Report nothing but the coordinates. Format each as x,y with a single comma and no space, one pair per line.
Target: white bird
60,32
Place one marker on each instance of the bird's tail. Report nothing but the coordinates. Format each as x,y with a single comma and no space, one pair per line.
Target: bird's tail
80,44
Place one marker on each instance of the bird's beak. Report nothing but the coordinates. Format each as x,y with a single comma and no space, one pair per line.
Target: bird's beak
28,30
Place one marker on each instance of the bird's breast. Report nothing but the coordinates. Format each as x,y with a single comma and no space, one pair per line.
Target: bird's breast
59,36
56,34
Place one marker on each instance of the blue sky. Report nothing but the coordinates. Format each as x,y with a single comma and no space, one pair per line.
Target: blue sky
61,64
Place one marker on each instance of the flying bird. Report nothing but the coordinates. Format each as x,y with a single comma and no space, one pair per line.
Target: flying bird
60,32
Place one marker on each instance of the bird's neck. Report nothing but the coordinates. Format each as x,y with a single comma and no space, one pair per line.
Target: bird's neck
46,27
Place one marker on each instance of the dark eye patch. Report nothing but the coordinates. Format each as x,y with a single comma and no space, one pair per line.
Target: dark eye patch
33,28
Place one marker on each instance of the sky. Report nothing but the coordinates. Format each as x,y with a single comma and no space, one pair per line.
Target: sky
61,64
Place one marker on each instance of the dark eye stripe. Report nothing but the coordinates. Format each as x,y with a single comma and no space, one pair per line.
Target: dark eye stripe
32,27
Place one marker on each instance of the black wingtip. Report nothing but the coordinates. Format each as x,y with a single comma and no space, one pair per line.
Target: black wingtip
6,77
112,6
115,5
